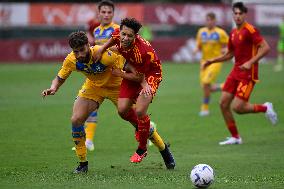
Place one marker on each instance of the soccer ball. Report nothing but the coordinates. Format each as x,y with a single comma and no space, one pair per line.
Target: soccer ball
202,176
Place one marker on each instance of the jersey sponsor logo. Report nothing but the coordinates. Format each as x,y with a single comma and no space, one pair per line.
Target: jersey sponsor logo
93,68
212,36
105,34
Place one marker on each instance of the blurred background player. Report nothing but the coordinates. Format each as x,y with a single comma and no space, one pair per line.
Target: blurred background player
210,40
280,48
99,35
248,47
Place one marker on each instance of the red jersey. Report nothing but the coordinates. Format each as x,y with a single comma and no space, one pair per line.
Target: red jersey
141,55
243,43
92,24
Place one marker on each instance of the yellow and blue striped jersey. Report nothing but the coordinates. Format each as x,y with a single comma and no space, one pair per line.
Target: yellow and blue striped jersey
99,73
210,42
103,33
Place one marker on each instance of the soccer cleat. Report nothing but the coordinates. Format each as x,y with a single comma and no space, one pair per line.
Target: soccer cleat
270,113
89,145
82,168
231,140
203,113
136,158
168,158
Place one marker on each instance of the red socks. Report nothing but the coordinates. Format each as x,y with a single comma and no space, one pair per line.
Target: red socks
143,129
259,108
233,129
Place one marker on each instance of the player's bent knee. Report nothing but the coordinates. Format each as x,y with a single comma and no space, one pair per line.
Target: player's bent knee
238,108
224,105
77,120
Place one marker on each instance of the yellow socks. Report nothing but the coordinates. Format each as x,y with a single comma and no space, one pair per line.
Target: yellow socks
90,130
91,125
204,107
79,138
156,139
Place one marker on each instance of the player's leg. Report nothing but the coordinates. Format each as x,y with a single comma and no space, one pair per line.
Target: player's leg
241,104
207,78
225,103
90,128
81,110
141,107
204,109
127,112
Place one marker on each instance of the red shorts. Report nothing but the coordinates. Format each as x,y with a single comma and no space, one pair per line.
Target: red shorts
131,89
241,88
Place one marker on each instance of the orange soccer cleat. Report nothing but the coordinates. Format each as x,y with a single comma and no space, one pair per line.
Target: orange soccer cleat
136,158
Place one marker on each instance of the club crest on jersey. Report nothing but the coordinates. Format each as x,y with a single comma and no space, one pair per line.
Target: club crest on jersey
93,68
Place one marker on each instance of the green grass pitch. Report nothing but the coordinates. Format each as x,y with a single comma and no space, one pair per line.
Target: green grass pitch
35,137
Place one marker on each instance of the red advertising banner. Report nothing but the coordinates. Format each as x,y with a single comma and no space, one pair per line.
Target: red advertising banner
77,14
34,50
26,14
46,50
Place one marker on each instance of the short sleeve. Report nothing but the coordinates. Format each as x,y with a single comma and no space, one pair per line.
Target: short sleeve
256,37
223,37
115,34
66,69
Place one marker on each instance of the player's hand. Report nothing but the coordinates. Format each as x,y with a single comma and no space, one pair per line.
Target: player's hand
206,64
116,72
98,55
47,92
147,89
245,66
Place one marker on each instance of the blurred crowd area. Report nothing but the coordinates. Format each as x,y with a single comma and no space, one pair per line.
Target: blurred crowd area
37,31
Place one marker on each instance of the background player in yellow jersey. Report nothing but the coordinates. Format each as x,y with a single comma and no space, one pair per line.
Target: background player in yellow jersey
210,40
100,34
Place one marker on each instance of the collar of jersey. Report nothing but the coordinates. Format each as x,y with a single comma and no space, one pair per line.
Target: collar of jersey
106,26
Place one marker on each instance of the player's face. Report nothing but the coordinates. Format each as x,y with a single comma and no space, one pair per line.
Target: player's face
210,23
239,16
105,15
82,53
127,36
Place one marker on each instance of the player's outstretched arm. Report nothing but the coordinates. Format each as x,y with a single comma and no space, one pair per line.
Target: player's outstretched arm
104,47
56,83
227,56
129,74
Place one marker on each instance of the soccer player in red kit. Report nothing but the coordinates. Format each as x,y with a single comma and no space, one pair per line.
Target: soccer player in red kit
139,53
248,47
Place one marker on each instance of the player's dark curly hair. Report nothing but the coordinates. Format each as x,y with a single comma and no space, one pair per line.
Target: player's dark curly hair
131,23
240,6
78,39
106,3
